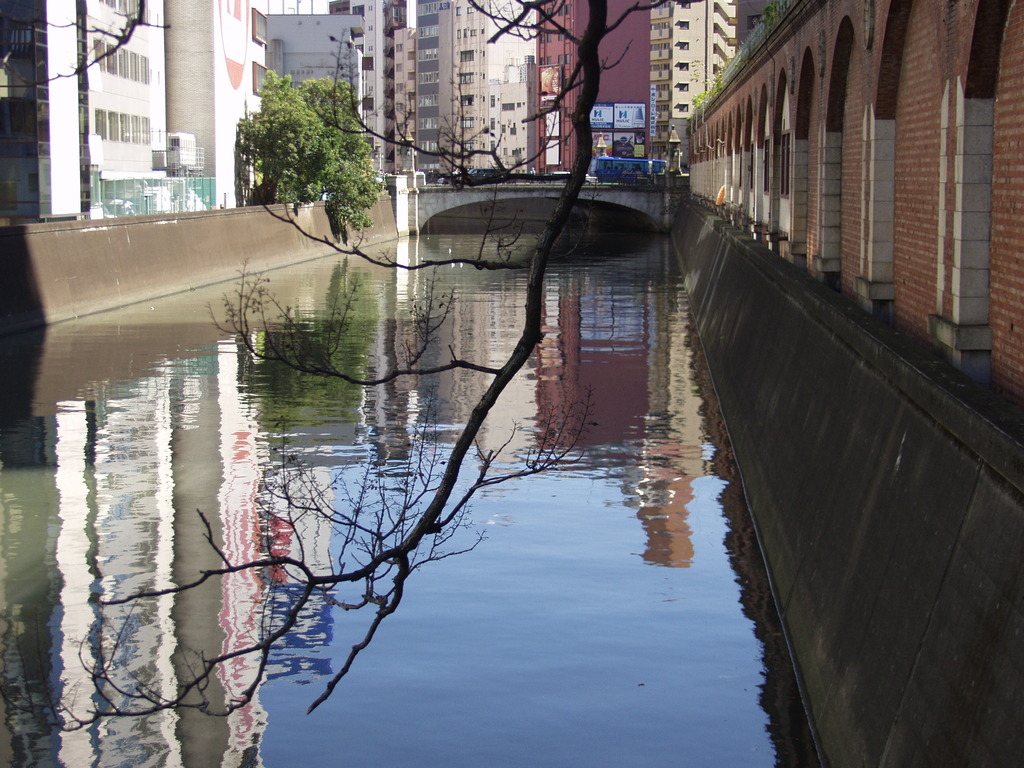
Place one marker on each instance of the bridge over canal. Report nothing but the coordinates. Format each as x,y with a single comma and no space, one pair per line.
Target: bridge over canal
641,207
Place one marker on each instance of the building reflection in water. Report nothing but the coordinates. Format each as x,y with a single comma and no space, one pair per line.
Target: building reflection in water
629,360
99,490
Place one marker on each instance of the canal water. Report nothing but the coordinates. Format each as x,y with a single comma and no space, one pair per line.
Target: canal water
613,612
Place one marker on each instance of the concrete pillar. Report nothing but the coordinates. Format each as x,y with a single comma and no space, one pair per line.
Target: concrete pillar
399,191
875,289
747,193
966,337
798,204
827,262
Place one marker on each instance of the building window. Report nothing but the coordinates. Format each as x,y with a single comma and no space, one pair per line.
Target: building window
259,27
466,55
465,78
259,75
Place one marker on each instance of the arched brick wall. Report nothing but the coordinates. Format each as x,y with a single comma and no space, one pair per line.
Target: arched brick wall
848,53
804,158
1007,249
894,101
919,104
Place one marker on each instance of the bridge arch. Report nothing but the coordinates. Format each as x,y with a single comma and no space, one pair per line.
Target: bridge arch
635,207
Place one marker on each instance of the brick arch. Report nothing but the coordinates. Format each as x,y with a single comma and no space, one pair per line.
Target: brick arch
916,261
729,160
986,45
891,59
777,160
1006,264
762,158
805,96
748,126
802,147
746,155
842,51
738,135
828,265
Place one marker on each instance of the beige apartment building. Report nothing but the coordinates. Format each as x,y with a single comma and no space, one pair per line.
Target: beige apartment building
691,42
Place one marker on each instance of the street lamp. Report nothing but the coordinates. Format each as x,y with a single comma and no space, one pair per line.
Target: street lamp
601,145
673,152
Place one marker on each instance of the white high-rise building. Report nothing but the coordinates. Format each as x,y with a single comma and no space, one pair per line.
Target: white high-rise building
372,46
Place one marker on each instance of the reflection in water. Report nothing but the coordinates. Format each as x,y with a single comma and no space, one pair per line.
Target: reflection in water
121,426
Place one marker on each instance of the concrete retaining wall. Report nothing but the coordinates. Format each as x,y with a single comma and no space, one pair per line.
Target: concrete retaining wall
888,490
54,272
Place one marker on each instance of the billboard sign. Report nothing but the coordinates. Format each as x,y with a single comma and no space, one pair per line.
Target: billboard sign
630,116
552,151
629,144
602,117
550,83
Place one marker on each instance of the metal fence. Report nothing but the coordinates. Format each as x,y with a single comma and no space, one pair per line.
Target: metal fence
112,198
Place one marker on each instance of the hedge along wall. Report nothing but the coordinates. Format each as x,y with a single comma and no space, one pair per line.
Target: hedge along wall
888,490
59,271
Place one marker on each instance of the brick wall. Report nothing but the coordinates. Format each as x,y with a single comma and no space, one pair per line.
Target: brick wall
915,240
853,153
911,62
1007,243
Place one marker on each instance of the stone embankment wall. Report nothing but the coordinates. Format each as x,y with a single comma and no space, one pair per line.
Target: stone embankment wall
888,490
54,272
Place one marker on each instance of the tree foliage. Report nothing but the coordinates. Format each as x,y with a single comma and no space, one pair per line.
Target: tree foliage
306,144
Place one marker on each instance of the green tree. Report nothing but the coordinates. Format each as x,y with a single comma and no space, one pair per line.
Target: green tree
306,144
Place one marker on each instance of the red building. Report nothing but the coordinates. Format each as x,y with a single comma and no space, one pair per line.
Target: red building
625,84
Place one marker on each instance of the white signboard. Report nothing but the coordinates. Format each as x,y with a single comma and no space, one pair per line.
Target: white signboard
630,116
653,129
602,116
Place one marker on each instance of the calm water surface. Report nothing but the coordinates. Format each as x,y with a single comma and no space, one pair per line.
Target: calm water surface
614,614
